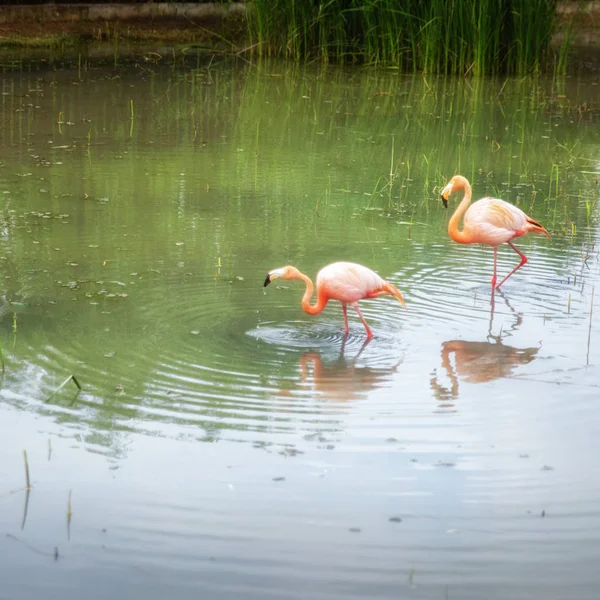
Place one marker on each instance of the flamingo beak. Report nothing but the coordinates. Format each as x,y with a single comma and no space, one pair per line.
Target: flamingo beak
446,194
274,274
401,298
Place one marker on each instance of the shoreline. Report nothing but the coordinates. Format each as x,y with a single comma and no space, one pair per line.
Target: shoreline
221,27
70,25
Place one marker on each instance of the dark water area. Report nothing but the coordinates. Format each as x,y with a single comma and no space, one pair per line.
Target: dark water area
227,445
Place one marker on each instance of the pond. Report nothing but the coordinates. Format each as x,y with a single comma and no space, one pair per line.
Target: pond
225,444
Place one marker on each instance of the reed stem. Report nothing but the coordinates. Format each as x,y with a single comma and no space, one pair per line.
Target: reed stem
438,36
27,480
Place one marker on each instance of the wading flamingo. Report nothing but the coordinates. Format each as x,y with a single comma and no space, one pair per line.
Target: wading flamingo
343,281
489,221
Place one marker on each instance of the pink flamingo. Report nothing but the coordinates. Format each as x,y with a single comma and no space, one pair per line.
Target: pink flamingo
343,281
488,221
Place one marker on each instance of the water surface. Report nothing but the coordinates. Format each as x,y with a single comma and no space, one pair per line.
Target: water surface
224,443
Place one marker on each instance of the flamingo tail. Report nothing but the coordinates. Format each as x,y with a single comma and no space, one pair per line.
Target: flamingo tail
537,227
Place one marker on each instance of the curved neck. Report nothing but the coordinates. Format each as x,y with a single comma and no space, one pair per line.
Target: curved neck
311,309
447,350
453,231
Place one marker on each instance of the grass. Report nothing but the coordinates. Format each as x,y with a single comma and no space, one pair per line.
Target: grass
561,59
438,36
41,40
532,23
62,385
27,480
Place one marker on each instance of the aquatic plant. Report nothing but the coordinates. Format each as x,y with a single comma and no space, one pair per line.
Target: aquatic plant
440,36
27,480
59,41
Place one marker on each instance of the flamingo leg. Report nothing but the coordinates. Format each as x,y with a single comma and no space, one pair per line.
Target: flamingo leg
346,330
523,261
369,332
494,277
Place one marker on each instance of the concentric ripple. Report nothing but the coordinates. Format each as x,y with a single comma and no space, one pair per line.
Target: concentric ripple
225,359
451,284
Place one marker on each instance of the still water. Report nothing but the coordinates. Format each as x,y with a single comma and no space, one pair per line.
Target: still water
225,444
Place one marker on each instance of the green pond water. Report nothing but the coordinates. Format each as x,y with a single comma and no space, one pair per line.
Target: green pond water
227,445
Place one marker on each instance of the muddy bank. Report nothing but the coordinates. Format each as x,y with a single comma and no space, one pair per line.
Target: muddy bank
223,25
48,13
222,32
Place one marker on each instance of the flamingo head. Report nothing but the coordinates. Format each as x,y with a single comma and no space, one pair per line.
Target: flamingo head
287,272
456,183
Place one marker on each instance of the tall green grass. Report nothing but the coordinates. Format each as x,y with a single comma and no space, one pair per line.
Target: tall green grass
435,36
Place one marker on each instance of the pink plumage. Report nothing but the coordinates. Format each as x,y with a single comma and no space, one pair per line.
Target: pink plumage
348,282
488,221
343,281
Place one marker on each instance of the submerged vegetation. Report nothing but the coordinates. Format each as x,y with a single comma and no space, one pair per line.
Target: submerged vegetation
440,36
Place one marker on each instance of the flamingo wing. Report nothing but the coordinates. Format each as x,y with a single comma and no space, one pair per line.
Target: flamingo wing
348,282
493,221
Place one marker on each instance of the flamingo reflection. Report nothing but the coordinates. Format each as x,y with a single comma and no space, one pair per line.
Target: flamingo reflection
480,362
341,380
477,362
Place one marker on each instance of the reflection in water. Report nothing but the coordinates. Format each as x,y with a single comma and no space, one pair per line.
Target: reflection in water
477,362
25,508
480,362
342,380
